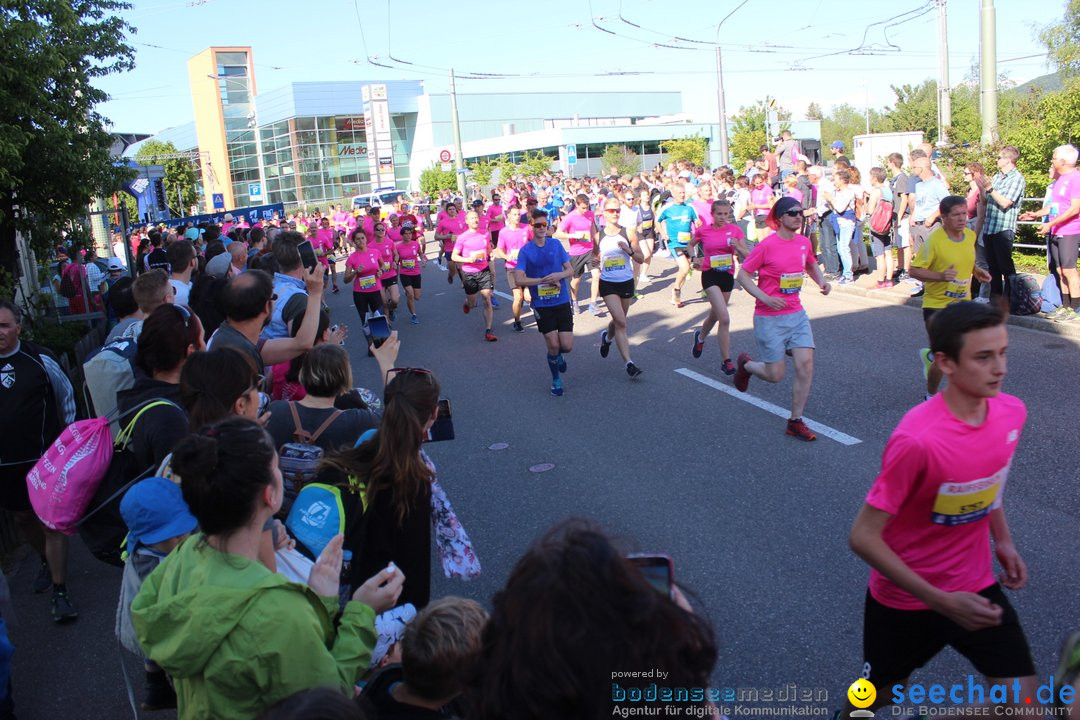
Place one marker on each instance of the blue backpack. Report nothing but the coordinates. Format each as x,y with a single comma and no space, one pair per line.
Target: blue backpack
317,515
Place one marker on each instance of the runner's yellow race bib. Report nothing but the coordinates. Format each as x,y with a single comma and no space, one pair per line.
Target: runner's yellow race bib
408,264
548,291
513,255
368,282
720,262
962,503
613,264
958,288
791,283
684,237
646,224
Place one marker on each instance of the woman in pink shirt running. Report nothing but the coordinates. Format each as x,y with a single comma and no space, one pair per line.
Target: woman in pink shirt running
720,242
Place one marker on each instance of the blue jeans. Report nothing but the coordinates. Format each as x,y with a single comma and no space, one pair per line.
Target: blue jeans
843,246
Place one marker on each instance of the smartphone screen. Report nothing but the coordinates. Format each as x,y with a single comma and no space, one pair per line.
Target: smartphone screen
657,569
307,254
443,427
379,329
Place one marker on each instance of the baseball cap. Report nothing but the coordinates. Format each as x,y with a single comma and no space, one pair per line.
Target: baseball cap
219,266
154,511
115,264
478,203
837,145
228,217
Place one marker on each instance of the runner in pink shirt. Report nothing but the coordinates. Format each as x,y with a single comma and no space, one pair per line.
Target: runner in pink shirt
927,523
579,229
387,269
446,233
487,218
782,260
409,257
702,204
720,241
472,250
362,270
512,238
323,243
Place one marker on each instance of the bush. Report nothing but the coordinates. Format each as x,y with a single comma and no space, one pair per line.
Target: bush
619,160
435,179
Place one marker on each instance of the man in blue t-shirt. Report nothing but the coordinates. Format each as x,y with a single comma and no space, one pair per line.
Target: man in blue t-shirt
543,267
676,223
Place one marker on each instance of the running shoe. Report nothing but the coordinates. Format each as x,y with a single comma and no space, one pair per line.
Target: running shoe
450,278
43,581
1068,669
465,308
644,280
727,367
927,361
62,609
845,281
1068,316
574,307
556,387
594,309
982,300
414,320
676,300
919,289
605,344
742,376
632,370
517,326
1054,315
562,363
699,344
797,428
490,336
494,301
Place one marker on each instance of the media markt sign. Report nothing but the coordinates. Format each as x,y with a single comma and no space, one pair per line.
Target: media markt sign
352,150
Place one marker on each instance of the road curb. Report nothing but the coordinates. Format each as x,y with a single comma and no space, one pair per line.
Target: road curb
900,295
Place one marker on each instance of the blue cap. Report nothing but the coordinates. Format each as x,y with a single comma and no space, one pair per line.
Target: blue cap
154,511
837,145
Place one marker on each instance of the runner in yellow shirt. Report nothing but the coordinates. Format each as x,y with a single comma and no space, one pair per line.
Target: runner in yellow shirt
945,264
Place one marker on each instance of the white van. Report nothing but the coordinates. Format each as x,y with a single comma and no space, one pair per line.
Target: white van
379,198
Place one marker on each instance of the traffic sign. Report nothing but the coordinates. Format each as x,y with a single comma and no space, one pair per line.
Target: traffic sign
447,166
444,156
255,191
571,154
219,201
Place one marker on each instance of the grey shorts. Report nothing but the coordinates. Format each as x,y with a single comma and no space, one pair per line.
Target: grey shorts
776,334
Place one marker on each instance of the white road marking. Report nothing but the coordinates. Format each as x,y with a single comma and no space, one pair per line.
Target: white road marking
842,438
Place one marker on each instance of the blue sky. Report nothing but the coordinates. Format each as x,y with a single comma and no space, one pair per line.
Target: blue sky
828,51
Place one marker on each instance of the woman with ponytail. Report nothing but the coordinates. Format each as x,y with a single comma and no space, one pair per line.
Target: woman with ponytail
389,482
234,636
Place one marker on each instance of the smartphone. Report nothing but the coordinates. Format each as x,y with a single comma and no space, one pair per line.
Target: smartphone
379,329
307,255
443,427
657,569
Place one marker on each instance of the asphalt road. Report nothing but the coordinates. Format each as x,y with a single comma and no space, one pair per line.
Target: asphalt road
756,521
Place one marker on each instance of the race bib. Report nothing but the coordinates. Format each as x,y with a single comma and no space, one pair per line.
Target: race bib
384,266
958,288
613,264
479,257
791,283
408,264
683,237
545,290
513,255
962,503
720,262
368,282
646,224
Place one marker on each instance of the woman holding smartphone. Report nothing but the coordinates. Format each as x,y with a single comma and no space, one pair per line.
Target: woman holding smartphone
719,242
362,270
618,250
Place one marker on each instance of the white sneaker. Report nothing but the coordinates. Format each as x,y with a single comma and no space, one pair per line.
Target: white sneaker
644,280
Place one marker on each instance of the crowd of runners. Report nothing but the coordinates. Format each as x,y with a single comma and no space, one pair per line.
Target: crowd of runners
221,316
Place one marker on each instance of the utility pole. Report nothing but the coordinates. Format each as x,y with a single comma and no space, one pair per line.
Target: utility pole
988,72
944,89
721,107
459,158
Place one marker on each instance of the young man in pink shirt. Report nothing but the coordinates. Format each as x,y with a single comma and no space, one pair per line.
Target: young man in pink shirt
926,525
781,326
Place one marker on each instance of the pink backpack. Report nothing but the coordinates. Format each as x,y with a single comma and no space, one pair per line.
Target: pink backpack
64,480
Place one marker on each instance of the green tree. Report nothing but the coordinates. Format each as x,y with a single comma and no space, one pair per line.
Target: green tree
813,112
750,133
434,179
482,172
691,149
915,109
844,122
534,163
179,173
1037,128
620,160
505,167
54,146
1062,40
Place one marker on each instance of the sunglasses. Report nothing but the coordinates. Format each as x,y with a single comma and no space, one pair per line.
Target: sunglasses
611,209
793,213
539,226
407,371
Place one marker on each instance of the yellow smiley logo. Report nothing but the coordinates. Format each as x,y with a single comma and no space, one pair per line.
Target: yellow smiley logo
861,693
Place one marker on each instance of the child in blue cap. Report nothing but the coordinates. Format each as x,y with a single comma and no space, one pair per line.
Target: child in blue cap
158,520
